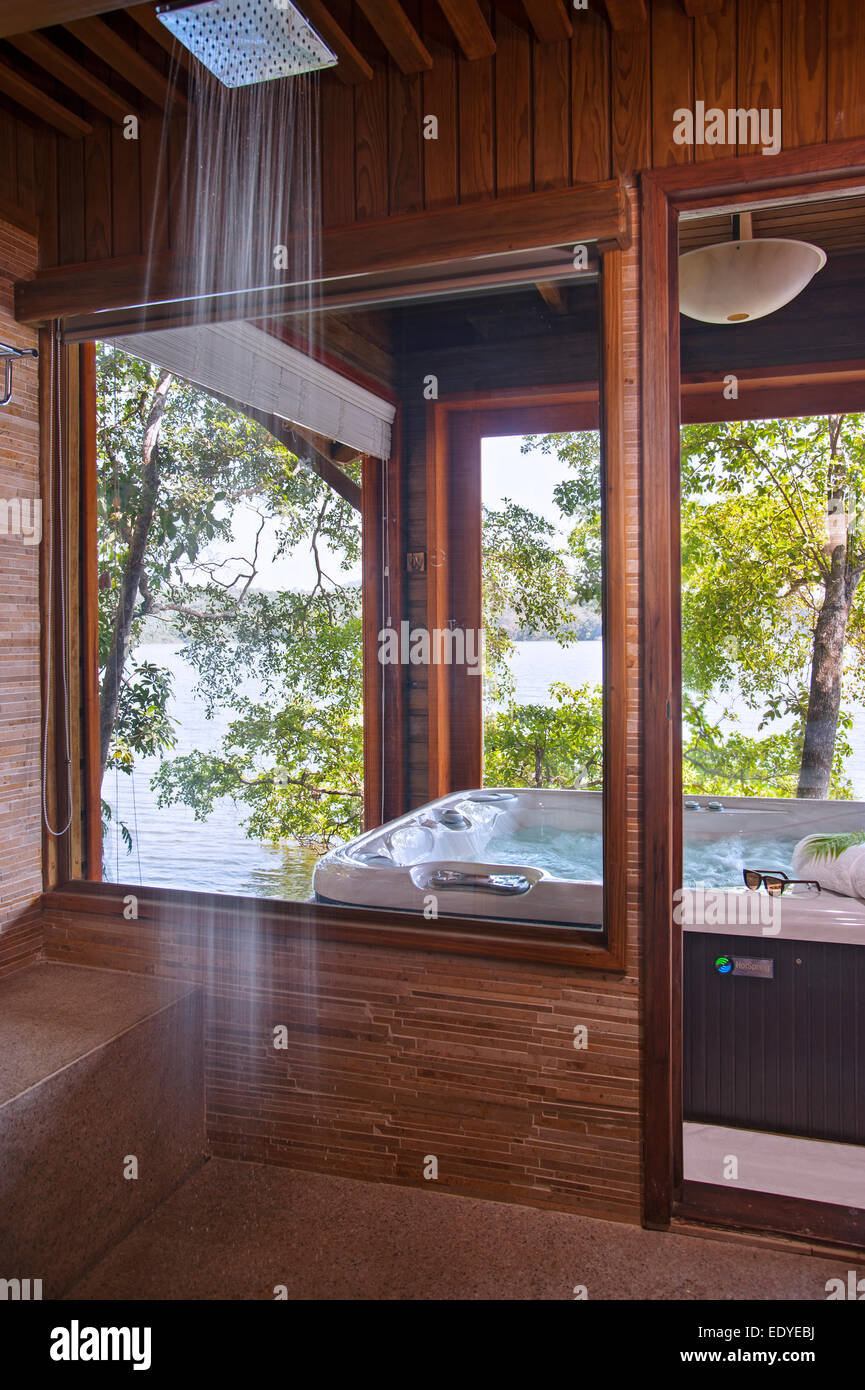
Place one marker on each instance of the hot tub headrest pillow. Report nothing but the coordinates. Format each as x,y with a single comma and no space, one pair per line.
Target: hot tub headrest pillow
840,873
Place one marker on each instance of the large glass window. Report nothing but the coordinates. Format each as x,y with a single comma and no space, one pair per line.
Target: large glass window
278,635
543,696
230,644
772,611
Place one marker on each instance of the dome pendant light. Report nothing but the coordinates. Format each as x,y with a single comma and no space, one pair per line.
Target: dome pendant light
745,279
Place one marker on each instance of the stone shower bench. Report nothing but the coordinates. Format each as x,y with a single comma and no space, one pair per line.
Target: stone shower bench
97,1068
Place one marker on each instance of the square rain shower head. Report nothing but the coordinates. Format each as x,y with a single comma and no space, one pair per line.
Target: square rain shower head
243,42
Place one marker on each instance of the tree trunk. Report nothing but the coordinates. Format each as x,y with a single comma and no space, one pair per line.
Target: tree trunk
824,698
131,579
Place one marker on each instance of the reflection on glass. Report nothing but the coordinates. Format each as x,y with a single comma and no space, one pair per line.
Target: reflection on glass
773,553
232,630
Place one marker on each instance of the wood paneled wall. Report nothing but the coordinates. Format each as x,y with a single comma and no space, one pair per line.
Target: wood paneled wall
395,1054
534,116
20,703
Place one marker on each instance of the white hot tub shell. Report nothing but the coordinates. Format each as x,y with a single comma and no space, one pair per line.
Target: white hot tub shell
442,850
446,851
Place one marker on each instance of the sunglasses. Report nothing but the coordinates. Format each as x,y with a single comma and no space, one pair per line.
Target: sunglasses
775,881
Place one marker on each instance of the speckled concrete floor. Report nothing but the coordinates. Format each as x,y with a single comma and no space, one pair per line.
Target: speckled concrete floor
240,1231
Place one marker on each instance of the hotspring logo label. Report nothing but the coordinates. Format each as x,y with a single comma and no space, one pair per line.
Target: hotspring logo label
76,1343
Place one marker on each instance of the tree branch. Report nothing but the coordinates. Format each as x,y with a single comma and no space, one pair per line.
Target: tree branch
134,568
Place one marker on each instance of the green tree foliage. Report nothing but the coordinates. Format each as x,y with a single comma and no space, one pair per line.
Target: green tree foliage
526,574
719,760
772,611
542,578
558,745
291,759
773,615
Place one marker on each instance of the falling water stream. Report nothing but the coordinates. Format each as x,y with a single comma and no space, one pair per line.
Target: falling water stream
244,209
243,226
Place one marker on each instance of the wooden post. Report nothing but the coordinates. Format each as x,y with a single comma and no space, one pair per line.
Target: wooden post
614,522
661,810
92,846
384,744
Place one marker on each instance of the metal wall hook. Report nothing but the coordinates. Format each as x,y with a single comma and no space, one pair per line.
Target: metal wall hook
8,355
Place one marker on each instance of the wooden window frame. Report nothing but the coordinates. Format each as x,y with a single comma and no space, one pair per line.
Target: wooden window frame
382,593
456,427
69,679
810,172
82,891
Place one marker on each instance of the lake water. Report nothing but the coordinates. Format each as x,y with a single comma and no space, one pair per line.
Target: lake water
172,849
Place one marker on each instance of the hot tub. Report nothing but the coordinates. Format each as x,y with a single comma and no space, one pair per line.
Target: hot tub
492,852
532,855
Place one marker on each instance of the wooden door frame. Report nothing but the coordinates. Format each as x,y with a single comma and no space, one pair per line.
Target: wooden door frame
71,843
815,171
382,594
456,425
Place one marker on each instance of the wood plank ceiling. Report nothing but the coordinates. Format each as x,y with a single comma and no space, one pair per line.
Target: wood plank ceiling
836,224
54,66
550,110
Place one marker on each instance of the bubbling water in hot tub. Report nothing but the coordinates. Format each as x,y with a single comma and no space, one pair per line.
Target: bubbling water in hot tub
713,863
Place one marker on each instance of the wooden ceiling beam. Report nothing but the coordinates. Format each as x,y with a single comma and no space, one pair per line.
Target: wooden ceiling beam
23,16
294,440
310,449
471,30
549,19
352,67
343,453
48,56
314,456
627,14
330,449
42,105
698,7
145,18
552,295
524,222
96,35
398,34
